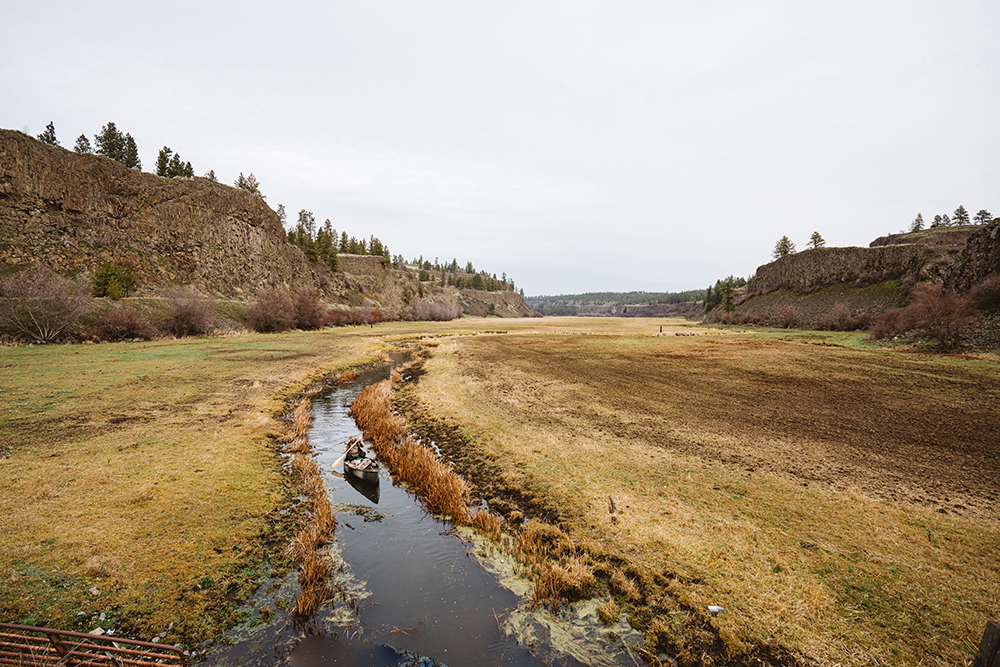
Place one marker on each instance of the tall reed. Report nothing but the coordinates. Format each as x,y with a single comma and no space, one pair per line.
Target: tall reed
304,547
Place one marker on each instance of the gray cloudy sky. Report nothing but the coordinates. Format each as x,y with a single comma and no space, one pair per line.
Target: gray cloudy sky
577,146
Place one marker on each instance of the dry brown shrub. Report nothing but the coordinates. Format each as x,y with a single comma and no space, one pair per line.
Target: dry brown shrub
986,294
36,305
487,522
273,311
308,308
892,323
941,314
121,324
784,317
190,313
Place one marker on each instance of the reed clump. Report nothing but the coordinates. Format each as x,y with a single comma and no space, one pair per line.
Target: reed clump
552,562
304,547
410,462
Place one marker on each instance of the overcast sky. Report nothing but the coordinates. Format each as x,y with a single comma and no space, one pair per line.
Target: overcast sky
577,146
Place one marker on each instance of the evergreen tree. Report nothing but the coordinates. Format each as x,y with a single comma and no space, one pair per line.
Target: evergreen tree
783,247
282,216
937,221
111,143
961,216
49,135
83,145
468,268
344,243
249,184
211,176
984,217
945,221
728,295
163,161
815,241
918,223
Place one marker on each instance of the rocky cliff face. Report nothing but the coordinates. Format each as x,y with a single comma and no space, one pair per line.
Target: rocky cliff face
979,259
811,269
72,212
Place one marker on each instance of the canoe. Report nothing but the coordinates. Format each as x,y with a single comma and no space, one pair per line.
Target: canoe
357,464
365,469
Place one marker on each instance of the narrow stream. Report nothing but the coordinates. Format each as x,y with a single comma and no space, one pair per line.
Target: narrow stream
417,594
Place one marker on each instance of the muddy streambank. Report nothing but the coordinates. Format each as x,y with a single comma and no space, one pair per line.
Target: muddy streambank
690,639
405,587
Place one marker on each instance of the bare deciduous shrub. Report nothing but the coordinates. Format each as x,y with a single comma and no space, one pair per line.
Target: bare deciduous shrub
190,313
941,314
986,294
432,311
341,318
38,306
121,324
785,317
308,309
840,318
892,323
273,311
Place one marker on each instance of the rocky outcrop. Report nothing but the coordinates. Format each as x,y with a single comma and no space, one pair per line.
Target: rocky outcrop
499,304
72,212
819,267
978,260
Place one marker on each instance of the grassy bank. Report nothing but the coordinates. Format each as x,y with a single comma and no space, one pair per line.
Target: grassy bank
839,503
146,472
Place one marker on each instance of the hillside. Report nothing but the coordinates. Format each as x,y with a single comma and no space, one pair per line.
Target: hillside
72,212
621,304
870,281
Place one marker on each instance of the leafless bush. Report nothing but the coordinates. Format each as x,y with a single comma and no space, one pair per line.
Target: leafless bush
432,311
941,314
190,313
36,305
784,317
892,323
341,318
273,311
308,309
121,324
986,294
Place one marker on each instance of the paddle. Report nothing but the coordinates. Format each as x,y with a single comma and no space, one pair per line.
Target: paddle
335,463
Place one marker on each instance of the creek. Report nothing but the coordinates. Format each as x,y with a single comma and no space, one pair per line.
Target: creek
414,590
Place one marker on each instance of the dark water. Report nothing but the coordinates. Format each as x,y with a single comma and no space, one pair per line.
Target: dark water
414,591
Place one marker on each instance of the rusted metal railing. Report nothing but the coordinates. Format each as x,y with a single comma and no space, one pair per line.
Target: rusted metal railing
30,646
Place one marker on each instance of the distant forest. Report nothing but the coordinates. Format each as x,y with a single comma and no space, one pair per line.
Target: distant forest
572,304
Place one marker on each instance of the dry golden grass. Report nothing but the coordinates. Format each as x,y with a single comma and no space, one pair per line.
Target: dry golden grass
823,569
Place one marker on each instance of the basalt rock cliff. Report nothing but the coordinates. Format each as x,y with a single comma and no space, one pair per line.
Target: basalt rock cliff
73,212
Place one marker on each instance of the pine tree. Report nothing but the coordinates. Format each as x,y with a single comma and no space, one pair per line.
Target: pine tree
816,241
984,217
83,145
163,161
945,221
937,221
917,224
49,135
111,143
211,176
783,247
961,216
282,216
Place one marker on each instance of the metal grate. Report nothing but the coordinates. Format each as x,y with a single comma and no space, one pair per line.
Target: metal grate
30,646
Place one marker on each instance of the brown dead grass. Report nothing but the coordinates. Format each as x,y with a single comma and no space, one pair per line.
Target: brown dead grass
799,486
